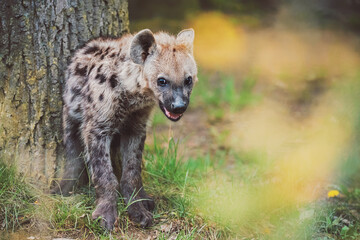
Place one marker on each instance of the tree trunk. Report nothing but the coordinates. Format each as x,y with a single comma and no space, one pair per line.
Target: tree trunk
37,39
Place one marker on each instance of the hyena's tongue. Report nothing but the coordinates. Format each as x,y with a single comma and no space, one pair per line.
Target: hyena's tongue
172,115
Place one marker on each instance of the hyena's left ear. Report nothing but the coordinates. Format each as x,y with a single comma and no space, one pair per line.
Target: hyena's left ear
142,45
186,37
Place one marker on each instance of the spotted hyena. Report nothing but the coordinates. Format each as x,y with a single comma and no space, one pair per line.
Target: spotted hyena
111,89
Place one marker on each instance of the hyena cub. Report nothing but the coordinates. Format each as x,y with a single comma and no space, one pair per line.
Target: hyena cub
112,87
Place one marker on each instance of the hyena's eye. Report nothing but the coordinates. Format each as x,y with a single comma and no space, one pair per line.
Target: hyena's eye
188,81
162,82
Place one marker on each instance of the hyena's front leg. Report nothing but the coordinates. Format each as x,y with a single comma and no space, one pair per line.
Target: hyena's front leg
131,187
103,178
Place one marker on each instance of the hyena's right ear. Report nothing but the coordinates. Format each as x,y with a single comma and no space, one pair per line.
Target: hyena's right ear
142,45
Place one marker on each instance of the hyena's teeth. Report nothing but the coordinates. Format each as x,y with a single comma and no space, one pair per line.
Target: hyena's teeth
172,115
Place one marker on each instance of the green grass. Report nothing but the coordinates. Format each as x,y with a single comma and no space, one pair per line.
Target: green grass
337,218
219,93
166,176
16,199
171,179
68,214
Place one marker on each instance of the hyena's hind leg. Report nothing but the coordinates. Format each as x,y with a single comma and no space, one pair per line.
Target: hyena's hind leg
75,173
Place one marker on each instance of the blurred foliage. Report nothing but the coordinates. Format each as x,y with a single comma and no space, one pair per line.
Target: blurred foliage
173,15
350,167
170,15
140,9
220,93
171,9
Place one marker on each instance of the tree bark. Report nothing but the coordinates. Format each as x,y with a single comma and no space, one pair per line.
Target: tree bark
37,39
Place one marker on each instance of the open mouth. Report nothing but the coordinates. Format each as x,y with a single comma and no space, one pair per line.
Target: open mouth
172,116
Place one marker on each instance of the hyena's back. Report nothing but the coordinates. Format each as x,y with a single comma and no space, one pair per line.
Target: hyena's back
102,60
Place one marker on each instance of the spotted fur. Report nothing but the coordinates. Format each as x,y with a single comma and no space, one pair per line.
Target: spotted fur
110,92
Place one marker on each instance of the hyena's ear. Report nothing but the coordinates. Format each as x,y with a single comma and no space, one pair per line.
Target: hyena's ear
142,45
186,37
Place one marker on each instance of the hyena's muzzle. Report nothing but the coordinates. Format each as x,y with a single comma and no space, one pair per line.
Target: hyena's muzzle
175,103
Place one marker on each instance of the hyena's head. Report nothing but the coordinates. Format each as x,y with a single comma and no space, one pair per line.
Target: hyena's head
169,68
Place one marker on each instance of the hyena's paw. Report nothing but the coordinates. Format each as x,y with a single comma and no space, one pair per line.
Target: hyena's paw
108,214
147,201
138,214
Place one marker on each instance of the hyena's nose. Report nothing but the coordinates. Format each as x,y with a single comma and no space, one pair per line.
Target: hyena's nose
178,106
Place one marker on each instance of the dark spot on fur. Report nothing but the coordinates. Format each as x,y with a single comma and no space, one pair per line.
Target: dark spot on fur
88,88
106,155
107,51
89,98
99,69
138,85
75,90
80,71
92,67
91,50
98,53
98,137
101,97
102,57
94,105
174,50
101,78
113,55
78,109
113,81
122,58
72,98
